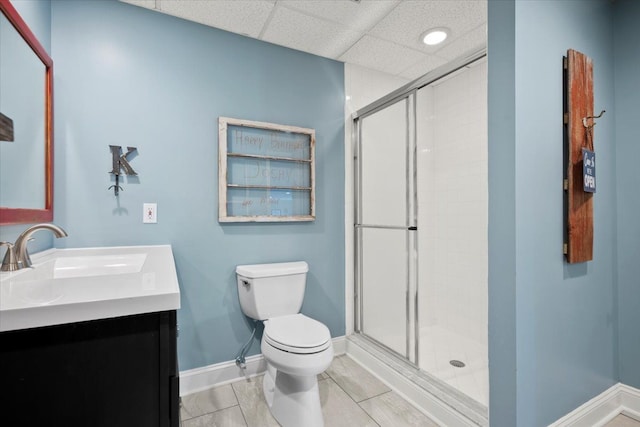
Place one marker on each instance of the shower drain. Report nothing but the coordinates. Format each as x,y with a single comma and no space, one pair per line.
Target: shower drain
457,363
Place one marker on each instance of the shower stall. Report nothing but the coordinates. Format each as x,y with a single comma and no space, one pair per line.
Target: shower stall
421,231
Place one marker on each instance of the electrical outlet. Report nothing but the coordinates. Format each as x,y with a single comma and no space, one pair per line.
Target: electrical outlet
149,213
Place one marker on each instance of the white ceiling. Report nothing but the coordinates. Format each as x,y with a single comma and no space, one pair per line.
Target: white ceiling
383,35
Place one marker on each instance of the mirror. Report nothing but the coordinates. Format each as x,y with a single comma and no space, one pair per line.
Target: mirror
26,126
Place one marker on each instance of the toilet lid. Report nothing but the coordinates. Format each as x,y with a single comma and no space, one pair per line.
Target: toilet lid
297,333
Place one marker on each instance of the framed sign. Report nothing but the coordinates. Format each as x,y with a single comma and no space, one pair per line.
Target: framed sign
589,170
266,172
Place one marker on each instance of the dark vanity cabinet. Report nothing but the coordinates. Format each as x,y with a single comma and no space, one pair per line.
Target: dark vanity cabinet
115,372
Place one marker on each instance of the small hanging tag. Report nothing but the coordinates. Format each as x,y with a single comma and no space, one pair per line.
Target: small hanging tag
589,170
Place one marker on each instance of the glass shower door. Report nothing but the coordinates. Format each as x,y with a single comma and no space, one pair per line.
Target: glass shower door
385,228
421,233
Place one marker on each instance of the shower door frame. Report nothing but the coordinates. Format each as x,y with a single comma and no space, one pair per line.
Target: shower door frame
411,211
408,92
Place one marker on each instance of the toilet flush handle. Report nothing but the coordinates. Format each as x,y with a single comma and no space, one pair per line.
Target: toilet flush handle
246,284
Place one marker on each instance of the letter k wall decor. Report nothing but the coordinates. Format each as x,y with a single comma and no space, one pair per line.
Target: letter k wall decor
120,162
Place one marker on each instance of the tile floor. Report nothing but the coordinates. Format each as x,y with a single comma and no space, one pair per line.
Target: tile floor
350,396
623,421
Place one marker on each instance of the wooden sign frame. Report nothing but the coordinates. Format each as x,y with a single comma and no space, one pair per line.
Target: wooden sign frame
578,131
266,172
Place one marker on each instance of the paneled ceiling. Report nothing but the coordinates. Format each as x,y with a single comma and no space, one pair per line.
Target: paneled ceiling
383,35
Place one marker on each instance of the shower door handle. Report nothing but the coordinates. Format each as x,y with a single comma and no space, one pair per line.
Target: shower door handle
388,227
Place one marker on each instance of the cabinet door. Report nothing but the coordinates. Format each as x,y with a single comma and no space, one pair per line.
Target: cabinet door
113,372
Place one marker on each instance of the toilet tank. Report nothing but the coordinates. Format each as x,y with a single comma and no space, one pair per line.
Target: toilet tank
270,290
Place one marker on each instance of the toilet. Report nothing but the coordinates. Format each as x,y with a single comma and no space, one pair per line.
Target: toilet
296,348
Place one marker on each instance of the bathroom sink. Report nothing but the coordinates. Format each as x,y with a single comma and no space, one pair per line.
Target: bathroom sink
63,267
73,285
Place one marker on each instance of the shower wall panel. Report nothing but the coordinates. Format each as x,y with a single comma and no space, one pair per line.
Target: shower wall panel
452,222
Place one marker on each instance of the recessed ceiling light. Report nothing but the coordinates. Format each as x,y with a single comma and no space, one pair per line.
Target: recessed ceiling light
435,36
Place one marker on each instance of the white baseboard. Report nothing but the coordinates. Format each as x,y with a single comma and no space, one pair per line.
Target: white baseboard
339,345
618,399
198,379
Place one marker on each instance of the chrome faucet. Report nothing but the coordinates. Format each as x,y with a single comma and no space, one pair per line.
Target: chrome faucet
17,256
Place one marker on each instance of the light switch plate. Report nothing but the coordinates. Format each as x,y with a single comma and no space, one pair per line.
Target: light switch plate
150,213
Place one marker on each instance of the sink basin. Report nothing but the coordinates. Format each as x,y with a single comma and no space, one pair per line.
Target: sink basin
73,285
91,265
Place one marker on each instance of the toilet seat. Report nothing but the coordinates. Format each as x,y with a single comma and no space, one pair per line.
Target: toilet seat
297,333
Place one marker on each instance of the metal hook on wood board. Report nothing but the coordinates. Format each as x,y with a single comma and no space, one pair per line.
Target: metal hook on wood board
584,119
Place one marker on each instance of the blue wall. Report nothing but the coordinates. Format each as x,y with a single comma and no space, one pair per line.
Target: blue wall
502,215
565,318
566,314
132,77
627,82
37,15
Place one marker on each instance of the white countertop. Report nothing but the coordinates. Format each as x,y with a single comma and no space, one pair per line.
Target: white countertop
75,285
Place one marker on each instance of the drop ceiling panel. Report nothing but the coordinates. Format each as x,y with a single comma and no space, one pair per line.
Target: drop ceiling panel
357,16
383,35
411,18
382,55
296,30
239,16
429,63
469,42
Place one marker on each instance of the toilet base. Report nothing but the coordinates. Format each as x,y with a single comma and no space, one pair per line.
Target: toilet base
293,400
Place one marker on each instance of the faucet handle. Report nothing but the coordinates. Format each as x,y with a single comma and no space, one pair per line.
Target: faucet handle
10,261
